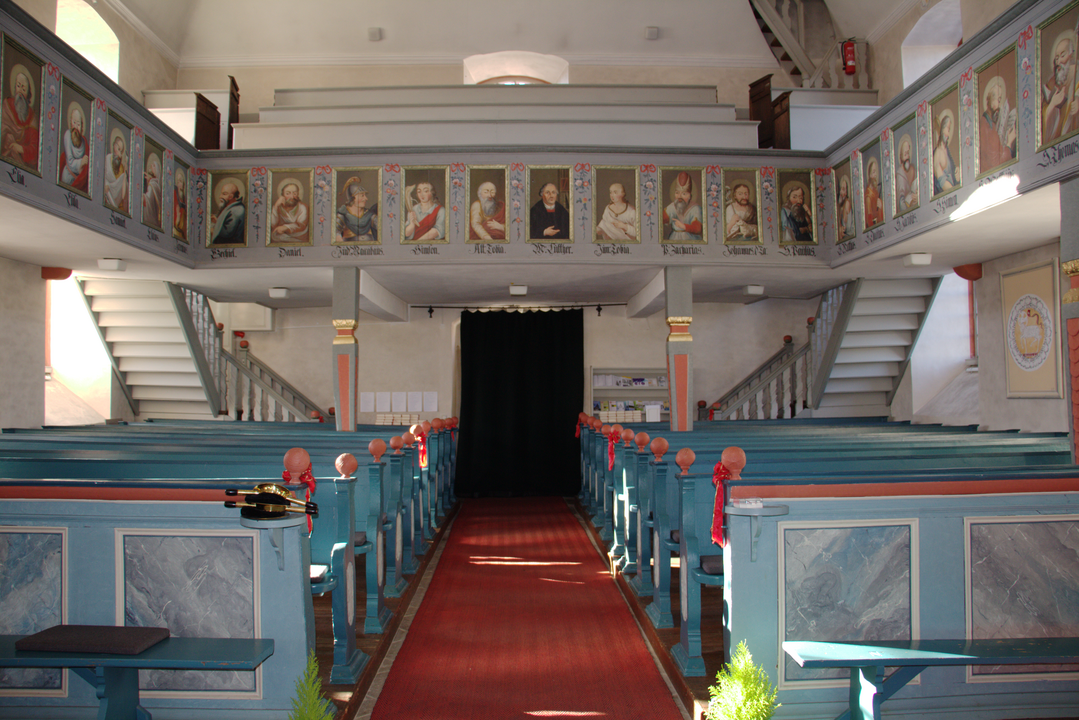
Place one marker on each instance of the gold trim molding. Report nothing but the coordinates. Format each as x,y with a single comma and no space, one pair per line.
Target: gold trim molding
345,332
679,321
345,324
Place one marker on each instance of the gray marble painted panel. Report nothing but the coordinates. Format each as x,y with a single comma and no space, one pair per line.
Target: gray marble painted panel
31,592
196,587
1024,583
845,584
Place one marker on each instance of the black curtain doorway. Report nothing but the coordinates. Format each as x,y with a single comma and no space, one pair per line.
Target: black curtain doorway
521,390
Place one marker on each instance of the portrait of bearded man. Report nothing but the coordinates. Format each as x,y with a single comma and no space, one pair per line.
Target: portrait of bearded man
289,215
906,176
740,217
487,216
74,162
1060,106
116,173
796,217
19,133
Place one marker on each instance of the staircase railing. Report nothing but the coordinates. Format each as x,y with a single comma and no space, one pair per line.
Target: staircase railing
787,29
249,397
914,340
278,384
826,334
830,74
203,336
779,388
121,381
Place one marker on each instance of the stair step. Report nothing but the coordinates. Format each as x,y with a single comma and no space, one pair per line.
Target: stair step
161,392
187,379
871,355
886,338
151,350
128,288
112,303
851,411
138,319
905,287
172,408
143,334
868,369
858,385
906,321
156,364
888,306
852,399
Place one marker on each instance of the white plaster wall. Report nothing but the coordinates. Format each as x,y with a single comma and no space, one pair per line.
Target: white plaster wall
77,357
944,345
142,67
998,411
22,354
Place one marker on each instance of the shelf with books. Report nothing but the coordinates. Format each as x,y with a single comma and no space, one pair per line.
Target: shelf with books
630,391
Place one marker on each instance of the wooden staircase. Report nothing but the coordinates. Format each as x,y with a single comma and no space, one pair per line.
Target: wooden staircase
142,330
873,347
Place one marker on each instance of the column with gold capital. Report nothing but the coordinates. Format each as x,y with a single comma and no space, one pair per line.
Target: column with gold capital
678,282
346,311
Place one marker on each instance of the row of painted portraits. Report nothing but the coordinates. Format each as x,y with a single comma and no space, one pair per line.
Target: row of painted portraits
550,195
995,133
120,186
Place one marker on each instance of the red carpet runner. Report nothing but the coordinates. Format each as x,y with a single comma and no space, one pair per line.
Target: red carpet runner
522,620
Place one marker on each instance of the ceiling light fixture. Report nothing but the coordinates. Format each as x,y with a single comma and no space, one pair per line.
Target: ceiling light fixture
917,260
111,264
753,290
518,289
279,293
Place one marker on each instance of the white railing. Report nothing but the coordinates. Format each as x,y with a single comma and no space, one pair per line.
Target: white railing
830,73
278,384
780,393
792,13
826,333
209,335
248,397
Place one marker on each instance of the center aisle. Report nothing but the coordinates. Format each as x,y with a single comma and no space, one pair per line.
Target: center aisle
522,619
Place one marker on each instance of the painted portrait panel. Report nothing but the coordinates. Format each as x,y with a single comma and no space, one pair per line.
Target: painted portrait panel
905,154
683,212
996,133
844,202
356,218
73,162
228,209
289,222
944,155
487,192
615,198
423,212
872,192
797,198
548,191
741,198
153,162
180,191
1057,77
116,188
20,107
1032,341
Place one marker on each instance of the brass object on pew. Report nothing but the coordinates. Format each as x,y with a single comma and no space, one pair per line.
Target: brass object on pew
269,501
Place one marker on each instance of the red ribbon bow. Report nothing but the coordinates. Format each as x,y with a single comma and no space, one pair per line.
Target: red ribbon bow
720,476
578,429
306,478
421,441
611,440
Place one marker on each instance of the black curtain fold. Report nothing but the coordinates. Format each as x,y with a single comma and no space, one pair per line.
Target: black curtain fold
522,386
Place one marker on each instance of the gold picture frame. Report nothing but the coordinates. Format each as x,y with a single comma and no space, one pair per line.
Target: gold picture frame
616,220
484,227
152,186
1030,308
906,190
21,73
794,216
74,146
687,225
554,225
1056,98
116,179
945,161
996,130
181,192
289,219
872,195
424,225
226,226
846,226
356,193
741,226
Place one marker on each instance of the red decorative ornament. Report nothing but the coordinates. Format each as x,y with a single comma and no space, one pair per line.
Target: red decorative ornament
720,476
306,478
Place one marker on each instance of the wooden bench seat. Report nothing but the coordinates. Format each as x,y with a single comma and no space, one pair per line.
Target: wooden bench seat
867,660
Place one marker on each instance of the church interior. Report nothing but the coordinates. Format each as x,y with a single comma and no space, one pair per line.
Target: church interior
471,260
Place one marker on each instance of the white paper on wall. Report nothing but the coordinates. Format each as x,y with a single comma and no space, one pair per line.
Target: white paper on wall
400,402
430,402
415,402
382,402
367,402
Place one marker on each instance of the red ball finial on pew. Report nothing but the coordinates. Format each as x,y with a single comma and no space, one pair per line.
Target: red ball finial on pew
734,459
409,438
296,461
426,425
642,440
582,416
605,429
244,344
220,327
438,424
617,430
659,448
684,459
346,464
456,422
627,437
377,448
396,443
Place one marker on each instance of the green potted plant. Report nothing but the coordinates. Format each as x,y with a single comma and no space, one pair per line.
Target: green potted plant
309,704
742,691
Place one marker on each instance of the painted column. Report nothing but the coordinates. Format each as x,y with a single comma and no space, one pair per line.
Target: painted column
679,284
346,313
1069,312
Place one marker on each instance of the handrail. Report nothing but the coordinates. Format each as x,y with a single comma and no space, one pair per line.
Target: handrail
762,385
294,410
753,378
117,373
279,383
829,328
203,342
914,340
836,79
786,37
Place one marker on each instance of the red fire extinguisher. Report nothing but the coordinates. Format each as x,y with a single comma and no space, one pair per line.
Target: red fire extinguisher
850,63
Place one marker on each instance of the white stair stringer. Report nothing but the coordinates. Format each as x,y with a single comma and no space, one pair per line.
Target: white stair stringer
884,324
140,324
